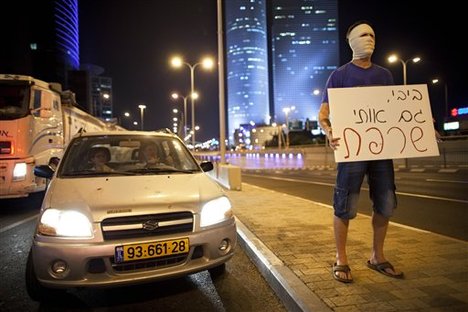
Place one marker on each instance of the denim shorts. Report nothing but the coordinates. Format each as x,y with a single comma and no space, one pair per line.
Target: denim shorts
381,180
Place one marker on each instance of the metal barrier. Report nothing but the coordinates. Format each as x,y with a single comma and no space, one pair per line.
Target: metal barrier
453,154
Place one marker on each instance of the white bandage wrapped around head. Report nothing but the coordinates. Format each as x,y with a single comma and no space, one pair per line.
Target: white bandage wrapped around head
362,41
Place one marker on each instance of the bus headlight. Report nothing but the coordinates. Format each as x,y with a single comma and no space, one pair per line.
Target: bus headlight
19,172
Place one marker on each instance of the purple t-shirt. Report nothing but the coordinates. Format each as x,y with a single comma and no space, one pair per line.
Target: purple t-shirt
350,75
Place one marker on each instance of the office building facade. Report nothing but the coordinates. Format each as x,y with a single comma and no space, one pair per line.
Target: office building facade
279,56
247,63
304,51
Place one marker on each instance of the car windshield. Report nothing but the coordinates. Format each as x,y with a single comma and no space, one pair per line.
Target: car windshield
113,155
14,101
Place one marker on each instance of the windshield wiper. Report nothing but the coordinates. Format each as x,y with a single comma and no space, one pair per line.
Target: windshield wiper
95,173
161,170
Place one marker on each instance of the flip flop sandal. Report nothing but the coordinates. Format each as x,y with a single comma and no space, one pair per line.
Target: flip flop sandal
381,268
341,268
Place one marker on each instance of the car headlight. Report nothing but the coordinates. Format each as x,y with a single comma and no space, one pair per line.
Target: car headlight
19,172
68,223
215,211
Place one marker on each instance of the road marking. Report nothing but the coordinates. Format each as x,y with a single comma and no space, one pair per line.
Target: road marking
366,189
449,181
17,223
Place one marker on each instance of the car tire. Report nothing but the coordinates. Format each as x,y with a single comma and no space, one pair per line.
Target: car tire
217,271
34,289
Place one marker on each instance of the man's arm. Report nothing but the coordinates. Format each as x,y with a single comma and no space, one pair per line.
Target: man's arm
324,117
325,124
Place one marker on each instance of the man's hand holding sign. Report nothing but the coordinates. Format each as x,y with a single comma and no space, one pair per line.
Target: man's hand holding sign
384,122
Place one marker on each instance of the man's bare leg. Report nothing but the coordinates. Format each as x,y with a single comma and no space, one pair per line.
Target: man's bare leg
341,235
380,226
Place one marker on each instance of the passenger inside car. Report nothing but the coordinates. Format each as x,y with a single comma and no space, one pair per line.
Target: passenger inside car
151,155
99,157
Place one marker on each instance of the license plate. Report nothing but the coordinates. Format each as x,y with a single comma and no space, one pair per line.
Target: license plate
157,249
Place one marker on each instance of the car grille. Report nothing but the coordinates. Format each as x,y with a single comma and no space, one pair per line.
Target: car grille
147,225
149,264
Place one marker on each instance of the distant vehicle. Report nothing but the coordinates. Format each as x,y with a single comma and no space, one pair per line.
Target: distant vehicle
37,120
151,214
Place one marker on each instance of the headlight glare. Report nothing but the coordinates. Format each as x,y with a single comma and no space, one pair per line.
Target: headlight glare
215,211
19,172
69,223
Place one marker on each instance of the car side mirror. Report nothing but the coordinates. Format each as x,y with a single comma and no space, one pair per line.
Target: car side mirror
44,171
53,162
206,166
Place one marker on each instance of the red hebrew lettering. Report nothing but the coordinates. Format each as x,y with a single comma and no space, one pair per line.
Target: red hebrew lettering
402,133
376,144
346,141
414,139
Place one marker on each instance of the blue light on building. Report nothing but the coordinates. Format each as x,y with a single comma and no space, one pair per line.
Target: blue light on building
66,23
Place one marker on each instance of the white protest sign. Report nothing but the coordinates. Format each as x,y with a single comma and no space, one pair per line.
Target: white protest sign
384,122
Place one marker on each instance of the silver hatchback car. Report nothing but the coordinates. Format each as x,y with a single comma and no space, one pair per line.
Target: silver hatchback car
124,208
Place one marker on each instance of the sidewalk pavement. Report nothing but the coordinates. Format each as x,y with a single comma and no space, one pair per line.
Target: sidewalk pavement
290,240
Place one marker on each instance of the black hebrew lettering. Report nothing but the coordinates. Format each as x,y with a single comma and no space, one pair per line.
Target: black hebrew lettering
370,115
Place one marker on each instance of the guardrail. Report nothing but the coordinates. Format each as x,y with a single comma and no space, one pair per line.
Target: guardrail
453,154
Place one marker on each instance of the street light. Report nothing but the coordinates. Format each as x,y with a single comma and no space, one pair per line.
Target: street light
142,108
206,63
393,58
436,81
286,111
175,96
127,116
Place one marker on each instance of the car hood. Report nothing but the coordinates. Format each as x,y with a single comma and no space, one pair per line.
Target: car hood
104,197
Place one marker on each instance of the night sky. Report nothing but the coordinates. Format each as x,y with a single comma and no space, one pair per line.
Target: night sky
134,40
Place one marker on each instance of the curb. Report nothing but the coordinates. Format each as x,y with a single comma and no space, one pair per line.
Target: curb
292,292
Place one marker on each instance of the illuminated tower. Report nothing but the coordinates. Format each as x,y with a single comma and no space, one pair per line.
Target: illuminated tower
246,63
278,53
67,34
41,39
305,49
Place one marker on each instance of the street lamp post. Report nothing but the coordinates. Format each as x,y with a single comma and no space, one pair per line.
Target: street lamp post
286,111
207,63
142,108
127,116
436,81
393,58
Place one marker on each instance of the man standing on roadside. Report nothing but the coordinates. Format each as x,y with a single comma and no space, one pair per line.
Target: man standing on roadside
360,72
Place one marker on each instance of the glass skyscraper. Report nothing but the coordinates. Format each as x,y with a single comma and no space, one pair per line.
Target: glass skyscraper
305,49
279,55
247,63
